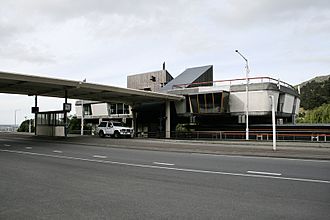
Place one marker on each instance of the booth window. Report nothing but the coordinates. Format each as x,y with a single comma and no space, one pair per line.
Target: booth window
50,118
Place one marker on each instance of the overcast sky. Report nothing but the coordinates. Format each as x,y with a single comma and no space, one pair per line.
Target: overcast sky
104,40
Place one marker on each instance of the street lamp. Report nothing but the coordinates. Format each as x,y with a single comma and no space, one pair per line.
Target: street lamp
16,110
82,114
273,121
247,94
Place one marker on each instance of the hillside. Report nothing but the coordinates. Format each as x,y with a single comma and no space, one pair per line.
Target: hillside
317,79
315,92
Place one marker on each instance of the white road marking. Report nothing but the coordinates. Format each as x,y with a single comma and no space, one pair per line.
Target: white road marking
57,151
7,145
99,156
264,157
169,168
28,148
264,173
165,164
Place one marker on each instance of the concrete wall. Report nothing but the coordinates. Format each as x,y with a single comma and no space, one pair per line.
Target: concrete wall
259,101
142,81
100,109
288,103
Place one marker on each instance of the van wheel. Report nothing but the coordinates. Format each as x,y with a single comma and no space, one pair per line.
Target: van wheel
116,134
101,134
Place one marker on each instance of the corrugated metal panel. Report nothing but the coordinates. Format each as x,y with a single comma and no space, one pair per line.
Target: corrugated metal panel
189,76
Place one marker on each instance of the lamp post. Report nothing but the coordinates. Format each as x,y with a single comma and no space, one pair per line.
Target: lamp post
82,114
16,110
273,121
247,94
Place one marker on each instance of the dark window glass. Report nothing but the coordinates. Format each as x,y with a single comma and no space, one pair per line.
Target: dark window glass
193,99
126,109
113,109
201,102
103,124
120,109
209,103
217,102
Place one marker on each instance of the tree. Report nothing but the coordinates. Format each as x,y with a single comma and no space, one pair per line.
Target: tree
75,125
314,94
318,115
24,127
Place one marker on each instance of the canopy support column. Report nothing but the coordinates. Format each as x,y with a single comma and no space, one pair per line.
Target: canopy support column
66,115
35,114
168,119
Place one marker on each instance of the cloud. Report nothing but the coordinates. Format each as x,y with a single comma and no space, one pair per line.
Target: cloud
247,14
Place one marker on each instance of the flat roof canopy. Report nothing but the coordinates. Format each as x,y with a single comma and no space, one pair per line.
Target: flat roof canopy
14,83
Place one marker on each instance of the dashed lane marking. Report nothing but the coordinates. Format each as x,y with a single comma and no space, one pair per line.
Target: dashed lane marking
99,156
165,164
169,168
57,151
264,173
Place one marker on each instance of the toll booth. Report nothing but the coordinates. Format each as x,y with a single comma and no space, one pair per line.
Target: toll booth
53,123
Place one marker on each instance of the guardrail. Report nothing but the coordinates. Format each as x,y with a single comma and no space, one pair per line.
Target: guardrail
261,135
86,132
323,136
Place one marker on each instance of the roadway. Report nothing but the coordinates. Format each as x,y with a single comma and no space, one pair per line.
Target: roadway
49,180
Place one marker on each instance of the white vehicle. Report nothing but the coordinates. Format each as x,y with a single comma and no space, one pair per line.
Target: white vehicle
114,129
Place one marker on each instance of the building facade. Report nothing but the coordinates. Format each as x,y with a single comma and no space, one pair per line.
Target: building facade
208,104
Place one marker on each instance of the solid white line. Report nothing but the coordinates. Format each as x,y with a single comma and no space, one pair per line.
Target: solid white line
99,156
264,173
28,148
264,157
57,151
165,164
169,168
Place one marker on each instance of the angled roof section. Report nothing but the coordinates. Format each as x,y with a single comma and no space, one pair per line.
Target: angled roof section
190,77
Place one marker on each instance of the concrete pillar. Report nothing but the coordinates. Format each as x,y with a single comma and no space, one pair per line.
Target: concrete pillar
35,114
134,122
66,115
168,119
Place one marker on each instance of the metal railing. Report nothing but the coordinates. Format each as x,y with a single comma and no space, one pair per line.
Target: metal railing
322,135
312,136
238,81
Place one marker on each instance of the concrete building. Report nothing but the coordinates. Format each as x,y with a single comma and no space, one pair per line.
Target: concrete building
208,104
151,81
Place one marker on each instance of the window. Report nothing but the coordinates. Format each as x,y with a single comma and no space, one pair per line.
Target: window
217,102
194,104
209,102
113,108
87,109
51,119
120,108
201,102
103,124
126,109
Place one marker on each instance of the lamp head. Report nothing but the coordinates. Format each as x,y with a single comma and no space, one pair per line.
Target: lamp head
236,51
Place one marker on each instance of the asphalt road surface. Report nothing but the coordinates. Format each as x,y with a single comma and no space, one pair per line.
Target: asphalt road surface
45,180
